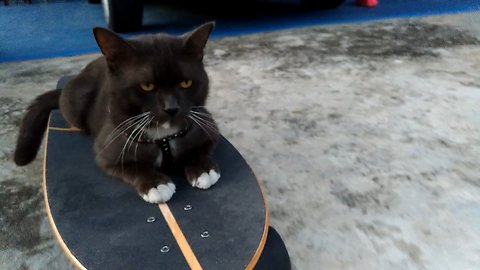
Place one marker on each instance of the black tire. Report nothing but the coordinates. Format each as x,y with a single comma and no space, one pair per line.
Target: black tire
123,15
275,255
322,4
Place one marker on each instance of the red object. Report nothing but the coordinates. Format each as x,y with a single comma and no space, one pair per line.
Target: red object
367,3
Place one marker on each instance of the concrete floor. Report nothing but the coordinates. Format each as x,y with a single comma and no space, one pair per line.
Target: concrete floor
366,138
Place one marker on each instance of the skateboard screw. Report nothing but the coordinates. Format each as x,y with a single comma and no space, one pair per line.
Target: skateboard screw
205,234
150,219
165,249
187,207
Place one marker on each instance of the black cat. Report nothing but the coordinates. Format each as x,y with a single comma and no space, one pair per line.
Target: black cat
143,102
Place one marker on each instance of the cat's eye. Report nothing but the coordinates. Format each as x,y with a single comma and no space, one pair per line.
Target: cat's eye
147,86
186,84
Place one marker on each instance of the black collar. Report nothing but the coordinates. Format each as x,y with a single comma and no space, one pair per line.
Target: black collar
163,143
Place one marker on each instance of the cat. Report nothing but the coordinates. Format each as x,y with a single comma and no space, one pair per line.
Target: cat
143,101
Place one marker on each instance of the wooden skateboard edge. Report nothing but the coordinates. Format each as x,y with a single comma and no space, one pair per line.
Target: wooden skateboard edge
72,129
75,262
261,246
256,256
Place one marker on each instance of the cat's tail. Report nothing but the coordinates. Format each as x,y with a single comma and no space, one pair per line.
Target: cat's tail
33,126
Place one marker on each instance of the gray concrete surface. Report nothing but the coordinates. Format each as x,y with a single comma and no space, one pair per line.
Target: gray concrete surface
366,138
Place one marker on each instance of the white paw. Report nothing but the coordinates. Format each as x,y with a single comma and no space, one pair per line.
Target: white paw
162,193
206,180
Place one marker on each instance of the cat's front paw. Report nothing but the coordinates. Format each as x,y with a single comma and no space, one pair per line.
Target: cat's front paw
206,180
202,173
160,194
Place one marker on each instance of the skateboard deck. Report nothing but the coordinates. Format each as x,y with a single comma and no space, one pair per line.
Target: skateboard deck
102,223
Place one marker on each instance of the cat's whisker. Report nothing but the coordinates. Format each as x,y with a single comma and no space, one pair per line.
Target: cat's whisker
121,132
207,121
199,112
203,115
126,122
207,115
139,132
208,127
202,111
122,153
134,134
131,118
124,125
201,126
142,131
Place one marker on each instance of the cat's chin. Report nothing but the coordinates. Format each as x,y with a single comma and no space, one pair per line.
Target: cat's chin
161,130
166,123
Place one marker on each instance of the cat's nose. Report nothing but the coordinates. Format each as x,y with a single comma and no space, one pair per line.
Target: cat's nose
171,111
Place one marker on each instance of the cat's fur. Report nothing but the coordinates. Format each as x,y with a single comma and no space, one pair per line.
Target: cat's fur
107,93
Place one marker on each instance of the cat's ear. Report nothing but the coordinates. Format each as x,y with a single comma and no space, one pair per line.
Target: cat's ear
194,42
113,47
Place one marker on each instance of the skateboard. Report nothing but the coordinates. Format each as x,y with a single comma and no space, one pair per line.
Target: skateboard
101,223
